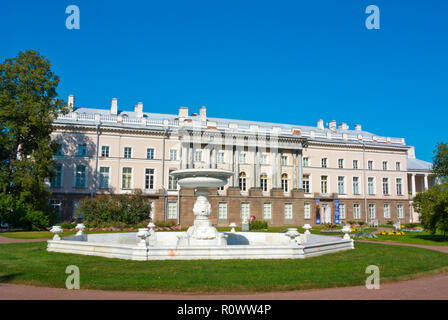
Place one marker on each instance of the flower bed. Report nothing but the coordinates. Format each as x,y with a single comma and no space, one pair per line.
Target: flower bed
418,229
363,235
331,231
392,233
157,228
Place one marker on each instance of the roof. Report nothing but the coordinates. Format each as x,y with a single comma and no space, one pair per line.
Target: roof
173,120
418,165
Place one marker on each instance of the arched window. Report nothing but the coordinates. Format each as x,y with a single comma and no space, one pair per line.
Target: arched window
243,181
285,182
264,182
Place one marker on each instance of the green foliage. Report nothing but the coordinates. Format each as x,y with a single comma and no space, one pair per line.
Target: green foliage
67,225
165,224
432,206
389,222
258,225
440,161
107,209
28,106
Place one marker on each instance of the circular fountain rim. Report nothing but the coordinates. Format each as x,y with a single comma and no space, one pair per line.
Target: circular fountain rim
202,172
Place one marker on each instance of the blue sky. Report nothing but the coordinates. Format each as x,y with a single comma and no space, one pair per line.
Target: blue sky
278,61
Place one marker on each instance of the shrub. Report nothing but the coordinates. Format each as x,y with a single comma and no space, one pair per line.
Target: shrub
389,222
361,223
106,209
258,225
165,224
67,225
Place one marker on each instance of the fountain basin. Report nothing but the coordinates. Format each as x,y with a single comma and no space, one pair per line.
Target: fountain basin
240,245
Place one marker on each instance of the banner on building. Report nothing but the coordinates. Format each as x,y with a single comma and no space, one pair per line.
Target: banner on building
336,211
317,211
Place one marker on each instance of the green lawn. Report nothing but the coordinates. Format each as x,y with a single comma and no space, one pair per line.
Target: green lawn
424,237
29,263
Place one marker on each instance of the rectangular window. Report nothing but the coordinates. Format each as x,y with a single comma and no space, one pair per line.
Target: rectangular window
82,150
306,184
386,211
56,181
105,151
307,210
172,210
305,162
324,162
221,156
398,166
284,160
263,159
127,152
149,179
400,211
324,184
126,181
104,177
342,210
173,155
355,185
341,185
372,211
172,181
385,186
370,185
150,153
267,211
356,211
340,163
245,210
222,210
288,211
399,187
198,156
385,165
81,177
242,157
370,165
355,164
264,182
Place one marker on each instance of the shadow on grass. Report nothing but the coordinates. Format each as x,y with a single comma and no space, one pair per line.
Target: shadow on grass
9,277
431,237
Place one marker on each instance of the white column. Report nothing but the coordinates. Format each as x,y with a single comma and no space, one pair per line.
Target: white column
253,169
279,171
258,171
426,182
274,169
294,175
214,158
191,156
413,184
207,157
184,156
237,167
231,183
300,169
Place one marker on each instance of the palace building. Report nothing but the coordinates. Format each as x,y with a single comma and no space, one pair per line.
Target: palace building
285,174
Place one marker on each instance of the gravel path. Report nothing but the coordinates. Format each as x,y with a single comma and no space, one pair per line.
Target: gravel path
427,288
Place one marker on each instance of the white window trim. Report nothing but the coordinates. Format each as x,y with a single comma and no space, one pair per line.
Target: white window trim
328,184
309,212
388,186
110,177
358,162
345,184
359,186
384,211
105,145
292,211
124,153
144,179
154,151
374,186
227,210
359,207
86,180
121,178
402,208
270,211
177,155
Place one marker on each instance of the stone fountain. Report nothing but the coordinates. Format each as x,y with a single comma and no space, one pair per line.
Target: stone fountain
202,240
202,233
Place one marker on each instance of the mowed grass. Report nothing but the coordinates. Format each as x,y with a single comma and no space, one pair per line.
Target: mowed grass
424,237
30,263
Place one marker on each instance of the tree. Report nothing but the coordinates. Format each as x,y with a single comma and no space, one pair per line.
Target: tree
432,206
440,161
28,106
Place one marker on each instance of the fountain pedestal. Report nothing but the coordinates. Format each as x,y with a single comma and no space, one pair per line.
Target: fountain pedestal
202,233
